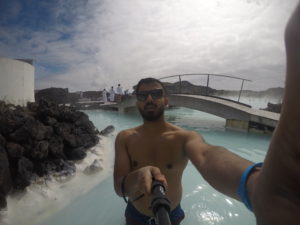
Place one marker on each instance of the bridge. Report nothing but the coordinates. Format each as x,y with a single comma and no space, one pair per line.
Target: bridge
238,116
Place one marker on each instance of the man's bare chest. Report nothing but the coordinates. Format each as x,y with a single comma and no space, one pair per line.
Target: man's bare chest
163,152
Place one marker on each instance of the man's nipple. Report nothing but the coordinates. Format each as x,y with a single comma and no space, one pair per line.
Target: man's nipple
169,165
134,163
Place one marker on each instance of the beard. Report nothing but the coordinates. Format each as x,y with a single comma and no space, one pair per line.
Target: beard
152,115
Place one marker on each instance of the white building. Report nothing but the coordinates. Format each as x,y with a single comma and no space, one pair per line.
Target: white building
16,81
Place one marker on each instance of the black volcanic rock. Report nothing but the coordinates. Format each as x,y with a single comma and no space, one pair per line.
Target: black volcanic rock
57,167
25,173
40,150
40,140
2,141
5,177
14,150
56,147
107,130
76,154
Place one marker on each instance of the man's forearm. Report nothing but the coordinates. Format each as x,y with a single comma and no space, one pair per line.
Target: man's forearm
223,170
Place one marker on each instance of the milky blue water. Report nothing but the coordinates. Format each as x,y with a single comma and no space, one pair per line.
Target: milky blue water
201,203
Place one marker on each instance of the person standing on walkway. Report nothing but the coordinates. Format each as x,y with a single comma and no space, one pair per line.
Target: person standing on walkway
119,90
119,93
104,95
112,94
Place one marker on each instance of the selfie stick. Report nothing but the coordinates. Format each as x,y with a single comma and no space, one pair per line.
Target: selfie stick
160,203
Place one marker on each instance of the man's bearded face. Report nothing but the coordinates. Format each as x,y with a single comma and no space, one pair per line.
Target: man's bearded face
151,101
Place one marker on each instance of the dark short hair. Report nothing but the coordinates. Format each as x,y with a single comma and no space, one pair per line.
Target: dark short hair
150,80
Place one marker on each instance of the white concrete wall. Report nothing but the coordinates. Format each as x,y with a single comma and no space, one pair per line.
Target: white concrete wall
16,81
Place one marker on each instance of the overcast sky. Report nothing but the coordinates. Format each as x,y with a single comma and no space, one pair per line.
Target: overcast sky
92,44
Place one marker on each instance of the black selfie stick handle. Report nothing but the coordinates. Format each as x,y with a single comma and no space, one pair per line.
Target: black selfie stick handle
160,203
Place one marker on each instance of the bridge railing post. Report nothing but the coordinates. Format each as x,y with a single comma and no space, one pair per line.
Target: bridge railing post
241,91
180,87
207,84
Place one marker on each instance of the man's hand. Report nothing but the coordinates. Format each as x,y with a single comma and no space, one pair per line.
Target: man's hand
141,179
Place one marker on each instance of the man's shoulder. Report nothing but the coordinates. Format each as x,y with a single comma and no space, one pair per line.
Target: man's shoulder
128,132
188,136
183,132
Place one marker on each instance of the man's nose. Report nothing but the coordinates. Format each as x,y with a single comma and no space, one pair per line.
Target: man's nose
149,98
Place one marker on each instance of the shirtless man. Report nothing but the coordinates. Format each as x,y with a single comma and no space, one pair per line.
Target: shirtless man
160,150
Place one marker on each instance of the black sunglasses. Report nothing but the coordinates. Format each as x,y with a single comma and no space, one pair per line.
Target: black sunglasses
155,94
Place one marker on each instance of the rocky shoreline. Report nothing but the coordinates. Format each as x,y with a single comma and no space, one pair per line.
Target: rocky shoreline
40,140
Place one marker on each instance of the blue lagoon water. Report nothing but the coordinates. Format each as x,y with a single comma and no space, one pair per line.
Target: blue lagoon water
201,203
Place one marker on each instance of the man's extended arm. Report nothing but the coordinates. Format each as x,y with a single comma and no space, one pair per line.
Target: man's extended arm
220,168
278,187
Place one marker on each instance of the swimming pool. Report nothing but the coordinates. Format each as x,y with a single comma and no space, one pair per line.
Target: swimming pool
201,203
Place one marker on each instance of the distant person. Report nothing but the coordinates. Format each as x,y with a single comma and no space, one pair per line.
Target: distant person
104,95
119,93
160,150
126,94
119,90
112,94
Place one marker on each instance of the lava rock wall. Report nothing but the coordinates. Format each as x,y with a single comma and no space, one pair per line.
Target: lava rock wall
38,140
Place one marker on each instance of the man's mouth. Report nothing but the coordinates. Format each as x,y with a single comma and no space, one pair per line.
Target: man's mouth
150,107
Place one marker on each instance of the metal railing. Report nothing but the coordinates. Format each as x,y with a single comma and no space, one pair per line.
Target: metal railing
207,80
